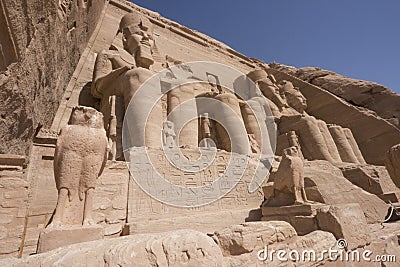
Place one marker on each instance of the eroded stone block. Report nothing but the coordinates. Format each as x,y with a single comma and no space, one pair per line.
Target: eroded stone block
345,221
50,239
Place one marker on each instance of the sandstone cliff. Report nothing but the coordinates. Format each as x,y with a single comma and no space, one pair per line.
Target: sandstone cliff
40,45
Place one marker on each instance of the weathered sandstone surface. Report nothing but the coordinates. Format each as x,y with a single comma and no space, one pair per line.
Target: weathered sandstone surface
196,190
43,42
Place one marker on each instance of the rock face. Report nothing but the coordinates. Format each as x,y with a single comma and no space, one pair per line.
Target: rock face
392,163
326,184
241,244
42,46
345,221
238,246
245,238
373,179
169,249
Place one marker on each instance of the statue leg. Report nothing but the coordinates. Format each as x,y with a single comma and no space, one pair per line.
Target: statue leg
298,184
61,202
313,144
298,195
345,150
113,145
354,145
87,212
330,143
304,196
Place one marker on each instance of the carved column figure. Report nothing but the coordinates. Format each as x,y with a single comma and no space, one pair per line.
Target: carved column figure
206,131
312,139
169,134
255,111
330,143
255,148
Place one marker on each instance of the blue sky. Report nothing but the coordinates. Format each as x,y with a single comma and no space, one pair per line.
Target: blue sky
356,38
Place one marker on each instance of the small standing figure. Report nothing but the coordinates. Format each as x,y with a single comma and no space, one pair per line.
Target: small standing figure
290,176
112,130
206,131
169,134
79,159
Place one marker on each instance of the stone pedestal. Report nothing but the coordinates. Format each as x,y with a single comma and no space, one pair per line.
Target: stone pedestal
54,238
301,217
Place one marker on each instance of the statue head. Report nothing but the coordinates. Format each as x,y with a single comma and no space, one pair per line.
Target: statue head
137,31
262,79
168,125
294,97
86,116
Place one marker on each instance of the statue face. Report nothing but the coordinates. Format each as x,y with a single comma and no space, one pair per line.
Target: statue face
297,101
134,36
137,30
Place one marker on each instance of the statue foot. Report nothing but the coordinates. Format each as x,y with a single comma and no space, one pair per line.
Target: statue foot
88,221
297,202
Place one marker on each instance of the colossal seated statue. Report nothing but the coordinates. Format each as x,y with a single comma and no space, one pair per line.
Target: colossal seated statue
268,88
122,71
255,113
293,96
317,140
